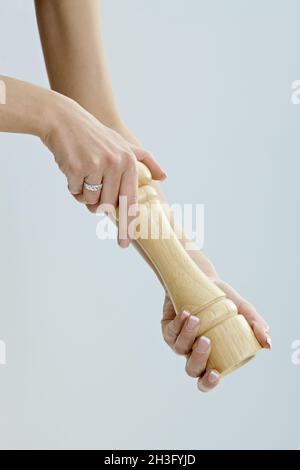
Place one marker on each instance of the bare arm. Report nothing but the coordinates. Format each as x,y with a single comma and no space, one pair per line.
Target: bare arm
85,149
74,54
27,108
72,42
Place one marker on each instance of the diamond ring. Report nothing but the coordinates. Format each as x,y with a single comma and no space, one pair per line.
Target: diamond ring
92,187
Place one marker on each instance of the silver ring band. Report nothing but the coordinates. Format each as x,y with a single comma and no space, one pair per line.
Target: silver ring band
92,187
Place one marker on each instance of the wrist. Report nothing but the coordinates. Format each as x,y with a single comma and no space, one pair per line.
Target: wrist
43,115
28,108
54,110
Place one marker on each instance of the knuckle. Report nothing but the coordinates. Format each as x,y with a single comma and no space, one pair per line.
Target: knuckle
76,168
93,165
142,154
176,324
111,160
191,372
129,161
187,335
180,349
148,155
172,330
245,304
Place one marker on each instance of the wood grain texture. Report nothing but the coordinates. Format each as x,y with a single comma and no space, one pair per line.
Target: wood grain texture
233,341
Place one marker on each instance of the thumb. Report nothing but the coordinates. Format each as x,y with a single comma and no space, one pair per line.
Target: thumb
148,159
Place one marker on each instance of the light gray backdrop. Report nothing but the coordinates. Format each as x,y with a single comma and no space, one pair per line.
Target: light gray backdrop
206,85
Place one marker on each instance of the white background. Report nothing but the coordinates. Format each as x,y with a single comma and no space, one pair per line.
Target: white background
206,85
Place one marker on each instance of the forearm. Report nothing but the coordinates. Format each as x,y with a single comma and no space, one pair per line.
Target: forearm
27,107
71,37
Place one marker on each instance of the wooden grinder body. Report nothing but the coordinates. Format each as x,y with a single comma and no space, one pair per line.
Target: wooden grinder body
233,341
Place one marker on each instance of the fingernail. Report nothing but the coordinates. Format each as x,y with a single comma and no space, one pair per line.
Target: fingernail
184,314
203,345
192,322
267,330
124,243
269,341
213,377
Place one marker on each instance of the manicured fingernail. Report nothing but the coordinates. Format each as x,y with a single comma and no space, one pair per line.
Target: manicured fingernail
213,377
203,345
192,322
184,314
269,341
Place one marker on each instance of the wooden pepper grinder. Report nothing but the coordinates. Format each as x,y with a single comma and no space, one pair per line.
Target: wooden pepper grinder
232,339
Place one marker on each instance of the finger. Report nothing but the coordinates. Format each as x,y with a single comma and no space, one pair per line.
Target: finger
172,329
186,337
260,326
168,310
148,159
110,190
92,197
127,204
196,363
251,314
75,185
209,381
93,208
244,307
